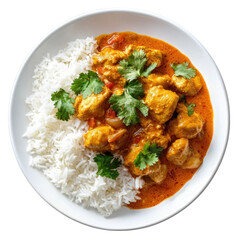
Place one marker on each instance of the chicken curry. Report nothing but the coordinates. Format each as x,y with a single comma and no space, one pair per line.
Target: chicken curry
150,105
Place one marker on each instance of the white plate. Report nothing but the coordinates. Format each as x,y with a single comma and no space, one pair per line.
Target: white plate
94,24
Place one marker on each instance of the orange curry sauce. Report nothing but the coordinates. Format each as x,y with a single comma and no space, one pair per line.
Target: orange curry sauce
152,194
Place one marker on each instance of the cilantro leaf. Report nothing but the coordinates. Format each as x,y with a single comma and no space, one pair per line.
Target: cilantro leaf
134,88
149,70
133,67
137,59
128,102
64,103
183,70
148,156
126,107
128,72
190,108
155,149
107,165
87,83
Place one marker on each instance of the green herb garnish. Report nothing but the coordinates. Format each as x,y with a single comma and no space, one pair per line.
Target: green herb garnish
148,156
63,103
183,70
107,165
134,66
190,107
135,88
87,83
126,104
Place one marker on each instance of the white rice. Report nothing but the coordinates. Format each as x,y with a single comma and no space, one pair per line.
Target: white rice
57,147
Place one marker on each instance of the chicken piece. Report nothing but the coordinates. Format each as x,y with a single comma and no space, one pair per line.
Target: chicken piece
97,138
179,151
156,172
105,138
189,87
162,103
111,74
152,55
108,56
181,154
92,106
154,132
134,150
185,126
118,139
194,161
155,80
160,175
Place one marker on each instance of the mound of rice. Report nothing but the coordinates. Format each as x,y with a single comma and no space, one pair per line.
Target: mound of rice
57,147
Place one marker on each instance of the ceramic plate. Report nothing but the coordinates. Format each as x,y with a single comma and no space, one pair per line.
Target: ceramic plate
94,24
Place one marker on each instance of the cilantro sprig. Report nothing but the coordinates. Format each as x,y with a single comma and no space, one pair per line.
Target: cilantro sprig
148,156
126,104
134,66
87,83
190,107
135,88
64,104
107,165
183,70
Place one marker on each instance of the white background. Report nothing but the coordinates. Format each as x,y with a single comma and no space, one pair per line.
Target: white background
215,214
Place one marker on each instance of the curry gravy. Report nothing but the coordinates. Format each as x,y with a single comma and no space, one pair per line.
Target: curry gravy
152,194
